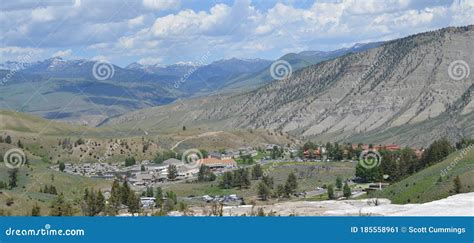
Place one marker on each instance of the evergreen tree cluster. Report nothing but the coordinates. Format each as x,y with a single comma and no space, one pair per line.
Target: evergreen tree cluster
7,139
60,207
265,188
400,164
276,152
123,195
130,161
205,174
238,178
93,202
167,202
49,190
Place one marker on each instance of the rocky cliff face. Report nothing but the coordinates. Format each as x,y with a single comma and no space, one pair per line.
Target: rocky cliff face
399,84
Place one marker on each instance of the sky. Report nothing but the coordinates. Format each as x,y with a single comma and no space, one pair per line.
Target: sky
172,31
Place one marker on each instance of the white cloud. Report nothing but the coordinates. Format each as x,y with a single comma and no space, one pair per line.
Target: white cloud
125,42
374,6
100,58
221,20
135,22
15,53
42,15
77,3
161,4
150,61
462,12
143,30
64,53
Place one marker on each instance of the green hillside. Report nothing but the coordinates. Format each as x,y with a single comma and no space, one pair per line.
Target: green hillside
36,175
428,185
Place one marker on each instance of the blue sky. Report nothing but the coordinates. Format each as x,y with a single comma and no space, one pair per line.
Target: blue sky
171,31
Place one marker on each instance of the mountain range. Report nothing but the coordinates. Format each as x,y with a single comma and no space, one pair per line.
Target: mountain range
67,90
406,91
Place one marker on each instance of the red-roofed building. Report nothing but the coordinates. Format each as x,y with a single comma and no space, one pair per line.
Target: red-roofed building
316,153
390,147
215,163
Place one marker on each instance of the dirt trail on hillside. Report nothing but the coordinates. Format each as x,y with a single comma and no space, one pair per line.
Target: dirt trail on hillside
196,136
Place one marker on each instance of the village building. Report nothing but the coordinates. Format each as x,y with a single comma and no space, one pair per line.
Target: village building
214,163
147,202
174,162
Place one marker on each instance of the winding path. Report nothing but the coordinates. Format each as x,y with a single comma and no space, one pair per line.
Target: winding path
196,136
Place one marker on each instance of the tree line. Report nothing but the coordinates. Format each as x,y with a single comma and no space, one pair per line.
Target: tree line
400,164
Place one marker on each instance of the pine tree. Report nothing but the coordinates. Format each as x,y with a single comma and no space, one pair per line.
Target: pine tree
339,183
8,139
182,207
52,190
241,178
257,172
205,174
280,191
331,192
130,161
59,207
36,210
172,172
90,203
100,203
62,166
159,197
149,192
115,197
125,192
347,191
263,191
457,185
133,203
227,180
13,178
268,181
291,184
170,195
